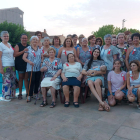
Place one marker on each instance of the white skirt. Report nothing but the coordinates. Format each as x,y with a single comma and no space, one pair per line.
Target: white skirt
46,82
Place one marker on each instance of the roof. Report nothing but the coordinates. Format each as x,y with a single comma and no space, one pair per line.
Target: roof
12,8
43,34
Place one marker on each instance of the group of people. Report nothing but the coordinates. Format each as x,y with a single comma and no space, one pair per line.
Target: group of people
52,65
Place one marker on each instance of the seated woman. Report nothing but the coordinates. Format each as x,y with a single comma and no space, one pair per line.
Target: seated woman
133,82
71,76
52,68
116,83
95,81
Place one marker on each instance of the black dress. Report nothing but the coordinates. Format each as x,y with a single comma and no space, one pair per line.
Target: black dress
20,64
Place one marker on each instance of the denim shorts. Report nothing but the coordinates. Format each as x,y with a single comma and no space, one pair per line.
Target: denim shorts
113,93
21,72
134,91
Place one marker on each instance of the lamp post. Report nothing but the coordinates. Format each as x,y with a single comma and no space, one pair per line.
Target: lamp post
123,21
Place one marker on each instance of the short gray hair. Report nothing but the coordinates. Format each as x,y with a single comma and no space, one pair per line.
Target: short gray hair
4,32
84,39
107,36
34,37
120,34
47,38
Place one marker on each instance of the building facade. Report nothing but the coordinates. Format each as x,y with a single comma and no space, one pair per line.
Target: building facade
11,15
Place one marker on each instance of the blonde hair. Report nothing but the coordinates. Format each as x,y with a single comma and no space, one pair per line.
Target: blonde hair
120,34
51,49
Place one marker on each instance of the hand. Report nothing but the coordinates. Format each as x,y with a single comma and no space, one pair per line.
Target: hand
31,63
53,78
44,68
118,90
89,72
1,71
26,49
78,78
65,79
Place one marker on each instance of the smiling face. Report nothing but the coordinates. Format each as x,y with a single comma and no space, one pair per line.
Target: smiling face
56,41
136,40
114,41
68,42
96,53
71,58
5,37
108,41
117,65
51,54
39,36
85,42
34,41
134,67
24,39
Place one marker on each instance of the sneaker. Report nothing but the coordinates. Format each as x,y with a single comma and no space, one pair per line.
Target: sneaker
7,99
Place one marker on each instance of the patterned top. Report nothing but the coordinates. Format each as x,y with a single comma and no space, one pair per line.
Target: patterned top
84,56
56,49
96,46
107,56
121,55
134,54
35,57
52,67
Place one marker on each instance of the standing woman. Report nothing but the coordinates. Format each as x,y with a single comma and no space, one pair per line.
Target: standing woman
85,52
114,41
66,49
33,59
129,41
133,52
74,39
133,82
56,44
20,64
108,54
7,67
116,83
122,49
99,41
80,40
92,40
39,35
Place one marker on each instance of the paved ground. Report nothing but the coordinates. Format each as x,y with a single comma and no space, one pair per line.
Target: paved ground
25,121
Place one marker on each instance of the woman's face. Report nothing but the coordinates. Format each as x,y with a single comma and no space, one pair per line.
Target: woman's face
85,42
56,41
134,67
98,42
108,41
75,39
117,65
93,40
34,41
80,39
136,40
114,41
68,42
46,42
39,36
129,41
51,54
5,38
121,39
96,53
71,58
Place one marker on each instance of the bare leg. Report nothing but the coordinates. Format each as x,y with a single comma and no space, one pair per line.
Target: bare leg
21,77
76,93
43,89
53,93
98,88
66,93
26,81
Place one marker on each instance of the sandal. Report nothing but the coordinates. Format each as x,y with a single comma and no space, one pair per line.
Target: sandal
28,99
76,104
53,104
66,104
20,96
43,104
106,106
100,108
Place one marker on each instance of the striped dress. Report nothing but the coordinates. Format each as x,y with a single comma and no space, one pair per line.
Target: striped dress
35,57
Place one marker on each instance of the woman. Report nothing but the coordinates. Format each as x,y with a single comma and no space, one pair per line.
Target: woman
116,83
71,76
20,64
129,41
39,35
80,41
33,59
108,54
122,49
99,41
7,68
52,68
74,39
66,49
133,52
133,82
92,40
95,80
114,42
56,44
85,52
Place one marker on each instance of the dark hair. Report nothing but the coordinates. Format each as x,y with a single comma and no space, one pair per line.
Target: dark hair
64,44
74,35
137,63
68,56
135,34
119,62
56,37
38,32
23,34
69,35
91,59
99,38
90,37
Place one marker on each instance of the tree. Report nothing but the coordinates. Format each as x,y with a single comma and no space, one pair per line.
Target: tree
110,29
15,31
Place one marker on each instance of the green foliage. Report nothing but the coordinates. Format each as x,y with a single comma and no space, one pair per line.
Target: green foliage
110,29
15,31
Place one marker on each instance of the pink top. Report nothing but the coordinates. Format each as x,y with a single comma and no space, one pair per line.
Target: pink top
117,80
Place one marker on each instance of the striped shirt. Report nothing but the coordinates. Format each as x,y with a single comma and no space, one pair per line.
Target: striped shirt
35,57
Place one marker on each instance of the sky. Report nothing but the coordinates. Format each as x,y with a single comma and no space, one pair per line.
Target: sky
76,16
